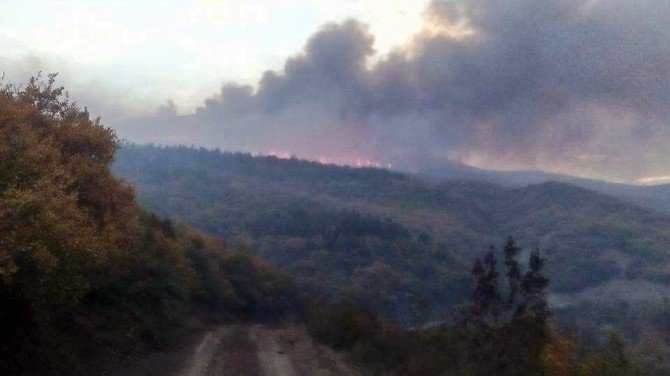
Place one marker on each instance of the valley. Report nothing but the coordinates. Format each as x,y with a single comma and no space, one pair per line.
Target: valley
299,187
381,233
128,259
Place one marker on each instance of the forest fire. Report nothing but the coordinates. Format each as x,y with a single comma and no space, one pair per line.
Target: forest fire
349,160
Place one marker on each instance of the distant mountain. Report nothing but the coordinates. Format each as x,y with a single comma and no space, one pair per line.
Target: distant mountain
654,197
393,240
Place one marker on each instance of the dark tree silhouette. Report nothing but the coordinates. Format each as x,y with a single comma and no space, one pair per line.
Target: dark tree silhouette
534,288
511,251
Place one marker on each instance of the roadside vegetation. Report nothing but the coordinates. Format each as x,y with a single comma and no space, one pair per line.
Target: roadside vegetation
84,269
88,276
503,329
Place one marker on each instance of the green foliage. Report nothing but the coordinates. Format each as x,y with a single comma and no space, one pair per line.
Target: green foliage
501,339
507,338
511,252
610,361
342,325
74,243
333,253
289,211
77,253
492,339
382,347
62,213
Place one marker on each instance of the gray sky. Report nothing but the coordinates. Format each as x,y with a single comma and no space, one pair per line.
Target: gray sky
573,86
179,50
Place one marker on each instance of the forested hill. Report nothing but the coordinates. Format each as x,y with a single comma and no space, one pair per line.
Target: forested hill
88,277
652,197
392,240
92,282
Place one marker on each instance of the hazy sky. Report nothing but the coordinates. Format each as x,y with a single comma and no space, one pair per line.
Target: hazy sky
573,86
179,50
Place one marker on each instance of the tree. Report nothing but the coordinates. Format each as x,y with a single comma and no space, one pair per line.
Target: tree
559,355
75,243
534,289
511,251
611,361
62,212
509,344
486,301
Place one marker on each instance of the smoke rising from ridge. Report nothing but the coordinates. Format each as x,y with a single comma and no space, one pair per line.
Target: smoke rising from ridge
574,86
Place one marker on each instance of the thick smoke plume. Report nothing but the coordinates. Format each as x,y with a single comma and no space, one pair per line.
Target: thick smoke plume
575,86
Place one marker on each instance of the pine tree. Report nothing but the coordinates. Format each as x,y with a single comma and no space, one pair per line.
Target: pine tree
508,344
528,331
486,302
511,251
491,292
476,309
534,288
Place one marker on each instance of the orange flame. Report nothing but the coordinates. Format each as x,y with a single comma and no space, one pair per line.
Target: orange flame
358,162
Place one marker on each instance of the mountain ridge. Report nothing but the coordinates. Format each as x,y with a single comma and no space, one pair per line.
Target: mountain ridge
591,237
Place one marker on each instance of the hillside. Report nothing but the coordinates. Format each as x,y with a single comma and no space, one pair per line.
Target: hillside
375,234
91,282
87,275
651,197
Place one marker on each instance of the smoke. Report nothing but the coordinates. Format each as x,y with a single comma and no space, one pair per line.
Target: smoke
574,86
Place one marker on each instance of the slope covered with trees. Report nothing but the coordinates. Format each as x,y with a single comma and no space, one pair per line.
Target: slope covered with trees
89,277
504,328
85,272
654,197
370,231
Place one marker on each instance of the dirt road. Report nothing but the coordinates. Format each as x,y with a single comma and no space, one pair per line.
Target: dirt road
250,350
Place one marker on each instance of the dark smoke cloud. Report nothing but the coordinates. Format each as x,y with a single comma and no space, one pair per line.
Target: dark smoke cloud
579,86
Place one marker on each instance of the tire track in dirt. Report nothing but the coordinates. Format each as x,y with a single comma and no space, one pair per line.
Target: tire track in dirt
273,359
264,350
202,357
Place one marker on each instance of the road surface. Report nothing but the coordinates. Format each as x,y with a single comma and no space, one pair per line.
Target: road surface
263,350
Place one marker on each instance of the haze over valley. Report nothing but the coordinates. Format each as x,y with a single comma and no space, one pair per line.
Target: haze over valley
441,187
